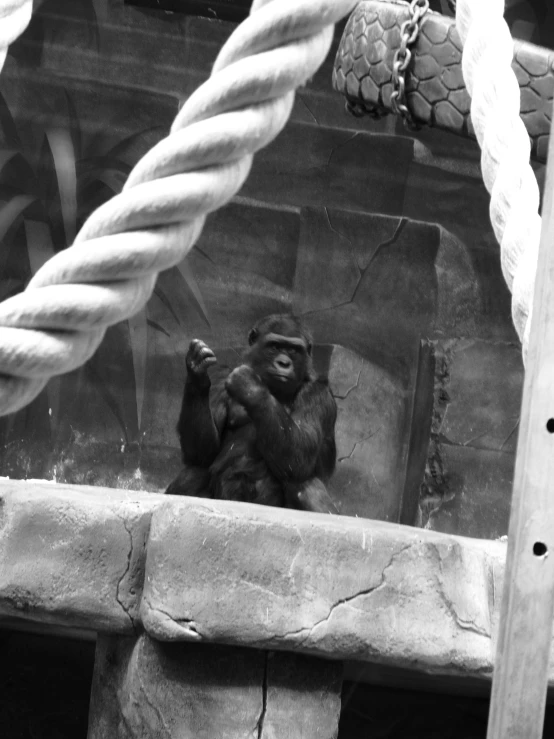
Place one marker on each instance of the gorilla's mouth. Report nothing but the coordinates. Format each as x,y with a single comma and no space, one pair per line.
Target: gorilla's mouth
281,376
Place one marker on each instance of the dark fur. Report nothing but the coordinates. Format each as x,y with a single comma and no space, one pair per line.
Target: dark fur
267,434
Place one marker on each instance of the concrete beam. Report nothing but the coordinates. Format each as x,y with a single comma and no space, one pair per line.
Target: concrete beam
73,556
232,573
336,587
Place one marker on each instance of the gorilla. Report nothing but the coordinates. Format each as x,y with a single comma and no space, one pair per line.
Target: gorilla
266,434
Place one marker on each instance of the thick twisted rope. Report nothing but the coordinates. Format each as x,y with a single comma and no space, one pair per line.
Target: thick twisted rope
14,19
109,273
504,141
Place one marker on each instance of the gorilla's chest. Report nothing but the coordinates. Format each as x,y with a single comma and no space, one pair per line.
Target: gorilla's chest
236,415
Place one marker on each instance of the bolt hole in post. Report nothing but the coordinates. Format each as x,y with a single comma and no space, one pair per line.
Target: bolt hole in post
539,548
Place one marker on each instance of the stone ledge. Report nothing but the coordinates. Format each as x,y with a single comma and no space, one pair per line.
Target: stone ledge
73,556
340,588
232,573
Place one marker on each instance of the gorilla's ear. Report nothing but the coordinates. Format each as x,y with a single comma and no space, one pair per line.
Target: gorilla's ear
252,337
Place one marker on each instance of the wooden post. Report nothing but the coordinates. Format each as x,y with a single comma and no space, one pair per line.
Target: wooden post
527,611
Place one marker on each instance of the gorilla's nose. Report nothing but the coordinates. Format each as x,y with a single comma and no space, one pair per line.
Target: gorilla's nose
284,362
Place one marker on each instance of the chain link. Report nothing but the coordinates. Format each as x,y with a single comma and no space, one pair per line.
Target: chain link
359,109
402,58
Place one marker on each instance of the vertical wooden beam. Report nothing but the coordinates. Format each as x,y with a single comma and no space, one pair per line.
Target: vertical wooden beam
525,632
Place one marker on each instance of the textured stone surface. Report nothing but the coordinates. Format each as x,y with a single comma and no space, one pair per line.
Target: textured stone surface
372,409
439,196
302,697
338,587
310,165
143,688
484,388
384,279
467,485
477,493
72,557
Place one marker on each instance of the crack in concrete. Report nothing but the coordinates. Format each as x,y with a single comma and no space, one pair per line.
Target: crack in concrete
507,439
187,624
347,599
352,387
125,720
307,107
402,223
356,444
389,242
126,572
340,235
339,146
490,448
155,708
261,719
463,623
204,254
356,385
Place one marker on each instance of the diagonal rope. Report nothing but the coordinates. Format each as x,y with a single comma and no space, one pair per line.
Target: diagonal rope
109,273
505,149
14,19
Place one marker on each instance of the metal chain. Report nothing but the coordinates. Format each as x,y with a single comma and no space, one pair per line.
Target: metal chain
402,58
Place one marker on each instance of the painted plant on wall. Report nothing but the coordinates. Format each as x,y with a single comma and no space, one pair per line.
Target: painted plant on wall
51,179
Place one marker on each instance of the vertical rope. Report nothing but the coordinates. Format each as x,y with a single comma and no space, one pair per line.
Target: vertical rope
505,148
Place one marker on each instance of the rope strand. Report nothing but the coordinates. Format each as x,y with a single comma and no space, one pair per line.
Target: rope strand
504,141
14,19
